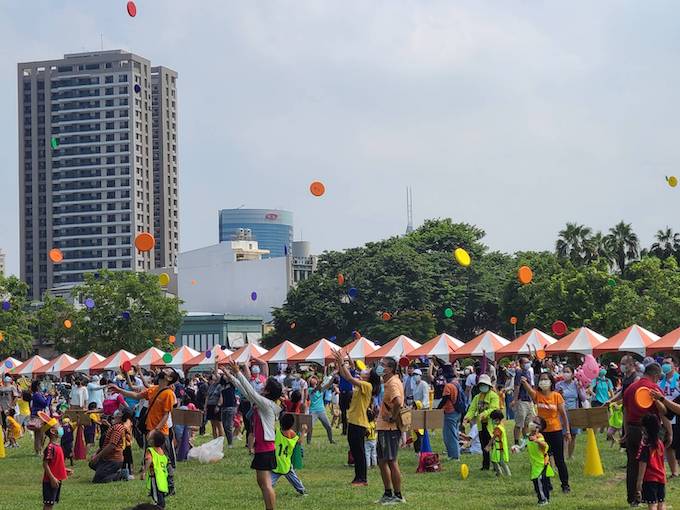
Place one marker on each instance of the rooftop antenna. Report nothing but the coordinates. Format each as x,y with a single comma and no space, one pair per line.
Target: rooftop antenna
409,210
101,40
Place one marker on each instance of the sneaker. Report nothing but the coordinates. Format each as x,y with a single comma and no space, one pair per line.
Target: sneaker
130,477
390,501
566,489
384,500
544,502
399,499
305,493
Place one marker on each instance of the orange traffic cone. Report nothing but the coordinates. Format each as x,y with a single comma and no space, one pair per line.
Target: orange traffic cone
593,464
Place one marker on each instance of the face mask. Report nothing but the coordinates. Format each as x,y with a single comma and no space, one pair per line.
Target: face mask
483,388
603,372
380,370
667,368
568,376
60,431
416,378
255,370
544,384
527,366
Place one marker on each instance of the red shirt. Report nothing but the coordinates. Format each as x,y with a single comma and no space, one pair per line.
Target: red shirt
291,407
654,457
634,412
54,456
260,445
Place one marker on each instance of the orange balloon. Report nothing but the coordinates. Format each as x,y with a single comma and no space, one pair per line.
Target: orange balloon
144,242
513,320
56,255
317,188
386,316
525,275
172,339
540,354
341,279
68,324
2,336
193,282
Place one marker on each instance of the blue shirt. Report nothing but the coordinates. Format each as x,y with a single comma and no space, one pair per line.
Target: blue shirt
669,386
344,384
602,387
523,395
316,402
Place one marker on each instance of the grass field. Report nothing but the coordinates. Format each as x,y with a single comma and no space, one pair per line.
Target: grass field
230,484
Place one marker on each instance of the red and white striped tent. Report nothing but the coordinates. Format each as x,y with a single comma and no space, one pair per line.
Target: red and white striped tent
8,364
320,352
579,341
488,342
359,348
56,366
113,362
633,339
247,352
396,348
442,346
179,358
281,353
530,342
29,366
667,343
84,365
204,363
147,358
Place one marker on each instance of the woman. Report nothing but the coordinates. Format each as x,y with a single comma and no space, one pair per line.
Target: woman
39,402
317,408
574,396
550,405
421,393
601,389
484,402
213,402
364,390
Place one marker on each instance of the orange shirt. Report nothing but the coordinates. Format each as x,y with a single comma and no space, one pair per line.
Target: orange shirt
451,391
548,409
162,405
393,388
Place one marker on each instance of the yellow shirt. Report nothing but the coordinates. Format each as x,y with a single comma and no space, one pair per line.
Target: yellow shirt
24,407
14,427
371,433
361,399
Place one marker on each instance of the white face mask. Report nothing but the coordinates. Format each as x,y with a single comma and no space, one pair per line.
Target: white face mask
544,384
568,376
416,378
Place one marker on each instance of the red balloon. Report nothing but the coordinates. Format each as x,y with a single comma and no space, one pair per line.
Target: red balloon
132,9
403,362
126,366
559,328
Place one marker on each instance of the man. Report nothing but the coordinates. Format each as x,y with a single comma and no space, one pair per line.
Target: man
633,413
522,405
95,392
670,386
161,399
408,385
8,399
344,400
451,418
389,435
108,462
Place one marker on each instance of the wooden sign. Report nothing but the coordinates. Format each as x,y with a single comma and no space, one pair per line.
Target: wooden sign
427,419
187,417
78,416
301,419
592,418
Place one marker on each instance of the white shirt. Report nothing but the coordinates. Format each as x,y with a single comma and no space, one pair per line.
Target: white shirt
95,393
471,380
79,397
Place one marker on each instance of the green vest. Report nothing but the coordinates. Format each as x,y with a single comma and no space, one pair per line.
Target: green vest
499,450
284,452
159,464
538,459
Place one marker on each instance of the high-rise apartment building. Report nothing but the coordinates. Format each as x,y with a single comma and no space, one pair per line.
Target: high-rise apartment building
271,228
97,165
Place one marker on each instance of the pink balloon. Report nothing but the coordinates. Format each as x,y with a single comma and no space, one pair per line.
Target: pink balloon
590,367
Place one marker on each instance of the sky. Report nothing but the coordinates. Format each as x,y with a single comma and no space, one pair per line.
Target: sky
516,116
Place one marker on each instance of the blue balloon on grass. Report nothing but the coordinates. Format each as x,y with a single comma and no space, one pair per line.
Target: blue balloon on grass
89,303
6,305
125,315
352,293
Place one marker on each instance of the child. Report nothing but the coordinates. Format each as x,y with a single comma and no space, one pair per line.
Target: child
54,469
371,440
651,482
13,429
156,467
615,421
285,442
294,405
539,460
24,404
498,445
67,440
91,429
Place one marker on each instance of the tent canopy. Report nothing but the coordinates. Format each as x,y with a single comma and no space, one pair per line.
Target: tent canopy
633,339
85,364
147,358
204,363
579,341
530,342
56,366
442,346
359,348
395,348
667,343
113,362
487,343
247,352
282,353
29,366
179,357
320,352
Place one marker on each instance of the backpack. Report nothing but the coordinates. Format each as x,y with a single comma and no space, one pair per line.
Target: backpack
462,401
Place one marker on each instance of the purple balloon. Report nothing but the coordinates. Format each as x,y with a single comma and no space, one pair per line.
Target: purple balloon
138,88
208,354
89,303
253,296
8,364
6,305
125,315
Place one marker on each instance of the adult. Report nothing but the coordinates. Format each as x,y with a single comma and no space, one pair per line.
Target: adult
228,408
550,405
421,400
671,389
213,403
8,399
357,421
317,408
39,402
574,396
389,435
601,389
161,399
521,404
632,417
452,417
484,402
108,462
95,391
438,384
78,397
344,400
201,396
408,384
472,374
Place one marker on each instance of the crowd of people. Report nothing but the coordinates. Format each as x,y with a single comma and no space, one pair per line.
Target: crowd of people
367,405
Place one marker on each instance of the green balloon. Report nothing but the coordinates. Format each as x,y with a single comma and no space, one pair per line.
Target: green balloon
448,313
611,282
54,142
167,357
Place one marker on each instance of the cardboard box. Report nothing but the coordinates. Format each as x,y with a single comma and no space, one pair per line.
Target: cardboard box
187,418
427,419
592,418
78,417
301,419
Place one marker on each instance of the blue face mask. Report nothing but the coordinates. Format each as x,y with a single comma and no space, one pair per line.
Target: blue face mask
666,368
380,370
603,373
60,431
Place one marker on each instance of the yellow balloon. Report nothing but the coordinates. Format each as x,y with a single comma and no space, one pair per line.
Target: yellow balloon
672,181
360,364
462,257
464,471
164,279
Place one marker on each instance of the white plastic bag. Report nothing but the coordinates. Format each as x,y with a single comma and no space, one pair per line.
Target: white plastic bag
212,451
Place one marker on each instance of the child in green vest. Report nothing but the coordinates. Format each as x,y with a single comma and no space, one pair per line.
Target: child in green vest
498,446
285,442
540,462
156,468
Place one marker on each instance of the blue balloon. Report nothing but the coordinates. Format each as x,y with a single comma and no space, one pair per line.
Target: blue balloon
332,339
89,303
6,305
352,293
208,354
125,315
8,364
253,296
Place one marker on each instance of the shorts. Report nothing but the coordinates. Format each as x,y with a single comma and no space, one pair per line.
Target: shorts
264,461
50,494
653,492
213,413
524,412
388,444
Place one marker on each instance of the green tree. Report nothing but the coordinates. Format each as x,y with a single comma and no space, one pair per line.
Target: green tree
596,248
572,243
15,323
666,243
623,244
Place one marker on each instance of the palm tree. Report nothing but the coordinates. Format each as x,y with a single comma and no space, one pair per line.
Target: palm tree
623,244
596,248
572,241
666,243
